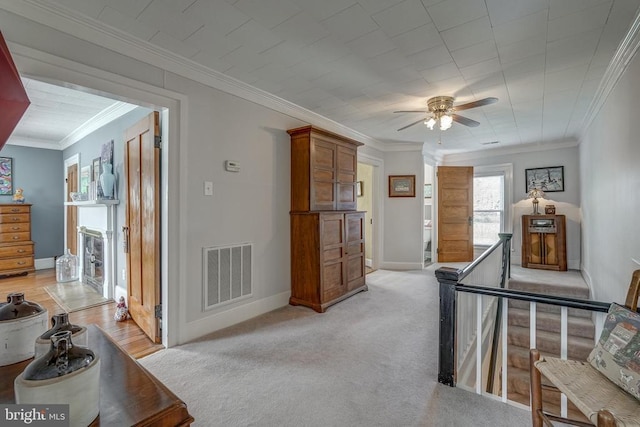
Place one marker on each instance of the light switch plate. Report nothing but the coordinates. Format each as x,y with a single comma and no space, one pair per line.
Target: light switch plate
208,188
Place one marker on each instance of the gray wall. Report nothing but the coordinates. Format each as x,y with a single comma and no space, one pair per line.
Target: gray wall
39,172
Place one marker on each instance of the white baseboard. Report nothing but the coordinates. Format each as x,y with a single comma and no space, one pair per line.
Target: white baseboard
44,263
401,266
201,327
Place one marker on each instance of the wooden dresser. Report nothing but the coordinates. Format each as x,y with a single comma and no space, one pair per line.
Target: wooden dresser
327,232
16,246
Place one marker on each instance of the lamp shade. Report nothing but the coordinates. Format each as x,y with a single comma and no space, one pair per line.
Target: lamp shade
13,98
535,193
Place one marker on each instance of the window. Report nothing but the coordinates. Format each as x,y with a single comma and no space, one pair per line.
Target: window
488,208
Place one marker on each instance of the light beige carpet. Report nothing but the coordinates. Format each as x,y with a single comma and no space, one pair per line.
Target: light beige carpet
75,296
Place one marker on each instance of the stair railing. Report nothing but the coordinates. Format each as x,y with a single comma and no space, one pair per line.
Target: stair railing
451,289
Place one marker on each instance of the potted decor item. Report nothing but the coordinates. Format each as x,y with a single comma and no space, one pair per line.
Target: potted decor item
60,322
66,374
21,322
67,267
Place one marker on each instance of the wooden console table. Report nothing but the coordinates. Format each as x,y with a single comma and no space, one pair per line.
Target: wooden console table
129,394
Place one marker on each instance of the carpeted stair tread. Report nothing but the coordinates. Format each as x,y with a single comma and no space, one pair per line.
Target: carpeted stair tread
549,342
549,407
546,321
518,357
518,382
564,283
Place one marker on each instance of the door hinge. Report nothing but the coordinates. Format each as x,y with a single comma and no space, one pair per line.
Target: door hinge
158,310
157,141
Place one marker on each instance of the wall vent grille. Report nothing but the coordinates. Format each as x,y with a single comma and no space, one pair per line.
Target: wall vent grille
227,274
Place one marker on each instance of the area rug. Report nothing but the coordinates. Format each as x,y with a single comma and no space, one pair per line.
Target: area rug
75,296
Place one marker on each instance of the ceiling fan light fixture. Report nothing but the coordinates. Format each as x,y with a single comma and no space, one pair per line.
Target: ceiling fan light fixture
445,122
431,122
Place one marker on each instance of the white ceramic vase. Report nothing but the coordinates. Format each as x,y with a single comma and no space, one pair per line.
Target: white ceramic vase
107,181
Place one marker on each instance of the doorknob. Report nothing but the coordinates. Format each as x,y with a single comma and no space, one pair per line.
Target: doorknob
125,239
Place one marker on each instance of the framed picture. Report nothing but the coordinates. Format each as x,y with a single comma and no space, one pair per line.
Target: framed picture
427,191
402,186
359,185
85,178
96,169
548,179
6,176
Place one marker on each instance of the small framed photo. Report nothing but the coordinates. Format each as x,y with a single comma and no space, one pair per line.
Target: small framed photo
85,178
96,169
427,191
402,186
359,186
6,176
549,179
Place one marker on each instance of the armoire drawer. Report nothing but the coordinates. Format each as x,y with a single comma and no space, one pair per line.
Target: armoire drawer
15,237
14,251
16,263
15,209
15,227
19,217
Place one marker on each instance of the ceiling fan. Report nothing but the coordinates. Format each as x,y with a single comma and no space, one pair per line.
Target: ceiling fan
440,109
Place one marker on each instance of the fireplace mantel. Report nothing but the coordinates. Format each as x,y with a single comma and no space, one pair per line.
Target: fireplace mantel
89,203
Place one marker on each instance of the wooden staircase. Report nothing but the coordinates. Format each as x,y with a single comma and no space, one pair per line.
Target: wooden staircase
581,330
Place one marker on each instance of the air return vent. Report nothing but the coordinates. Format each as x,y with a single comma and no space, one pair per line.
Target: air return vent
227,274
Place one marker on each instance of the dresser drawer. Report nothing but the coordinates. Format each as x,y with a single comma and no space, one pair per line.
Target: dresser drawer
15,227
16,263
15,237
14,251
10,218
15,209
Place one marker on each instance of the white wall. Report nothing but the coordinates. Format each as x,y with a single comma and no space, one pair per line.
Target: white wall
567,202
610,176
403,220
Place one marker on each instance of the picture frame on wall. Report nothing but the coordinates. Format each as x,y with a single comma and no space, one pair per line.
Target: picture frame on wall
6,176
402,186
97,169
549,179
85,179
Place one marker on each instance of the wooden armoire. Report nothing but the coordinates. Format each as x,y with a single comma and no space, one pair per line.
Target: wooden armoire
327,230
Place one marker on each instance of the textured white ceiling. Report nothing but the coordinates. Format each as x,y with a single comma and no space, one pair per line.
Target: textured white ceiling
356,62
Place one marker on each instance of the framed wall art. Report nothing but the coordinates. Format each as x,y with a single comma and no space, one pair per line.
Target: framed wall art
6,176
96,167
85,178
547,179
402,186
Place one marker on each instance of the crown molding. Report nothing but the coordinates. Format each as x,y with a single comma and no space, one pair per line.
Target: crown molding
91,30
109,114
618,65
33,143
509,150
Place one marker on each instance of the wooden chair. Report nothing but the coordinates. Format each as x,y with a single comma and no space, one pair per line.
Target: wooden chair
591,392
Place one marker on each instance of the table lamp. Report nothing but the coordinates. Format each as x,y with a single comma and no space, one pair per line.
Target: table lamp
534,194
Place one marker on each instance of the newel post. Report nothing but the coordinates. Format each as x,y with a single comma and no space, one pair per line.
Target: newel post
447,278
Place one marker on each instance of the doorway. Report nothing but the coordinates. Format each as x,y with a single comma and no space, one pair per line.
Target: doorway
369,200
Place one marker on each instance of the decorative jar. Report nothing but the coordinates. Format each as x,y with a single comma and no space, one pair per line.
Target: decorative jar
66,374
21,322
67,267
60,322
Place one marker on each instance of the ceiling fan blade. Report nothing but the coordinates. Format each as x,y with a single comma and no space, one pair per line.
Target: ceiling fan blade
409,125
411,111
465,121
474,104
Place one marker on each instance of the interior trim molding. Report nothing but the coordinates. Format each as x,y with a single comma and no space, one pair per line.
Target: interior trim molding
109,114
618,65
91,30
510,150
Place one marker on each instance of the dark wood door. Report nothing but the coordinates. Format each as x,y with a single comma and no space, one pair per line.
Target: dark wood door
72,211
455,213
142,223
355,249
323,175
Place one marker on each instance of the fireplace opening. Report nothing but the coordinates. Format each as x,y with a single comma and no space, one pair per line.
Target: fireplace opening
93,259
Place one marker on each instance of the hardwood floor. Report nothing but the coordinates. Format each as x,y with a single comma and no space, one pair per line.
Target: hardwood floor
127,334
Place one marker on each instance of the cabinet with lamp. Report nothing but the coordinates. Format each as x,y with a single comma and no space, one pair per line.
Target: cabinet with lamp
544,242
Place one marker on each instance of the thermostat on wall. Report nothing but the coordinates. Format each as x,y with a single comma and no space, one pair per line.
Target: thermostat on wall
232,166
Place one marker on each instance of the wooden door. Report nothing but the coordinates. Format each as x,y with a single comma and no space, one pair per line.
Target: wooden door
142,223
455,213
347,161
354,223
72,211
